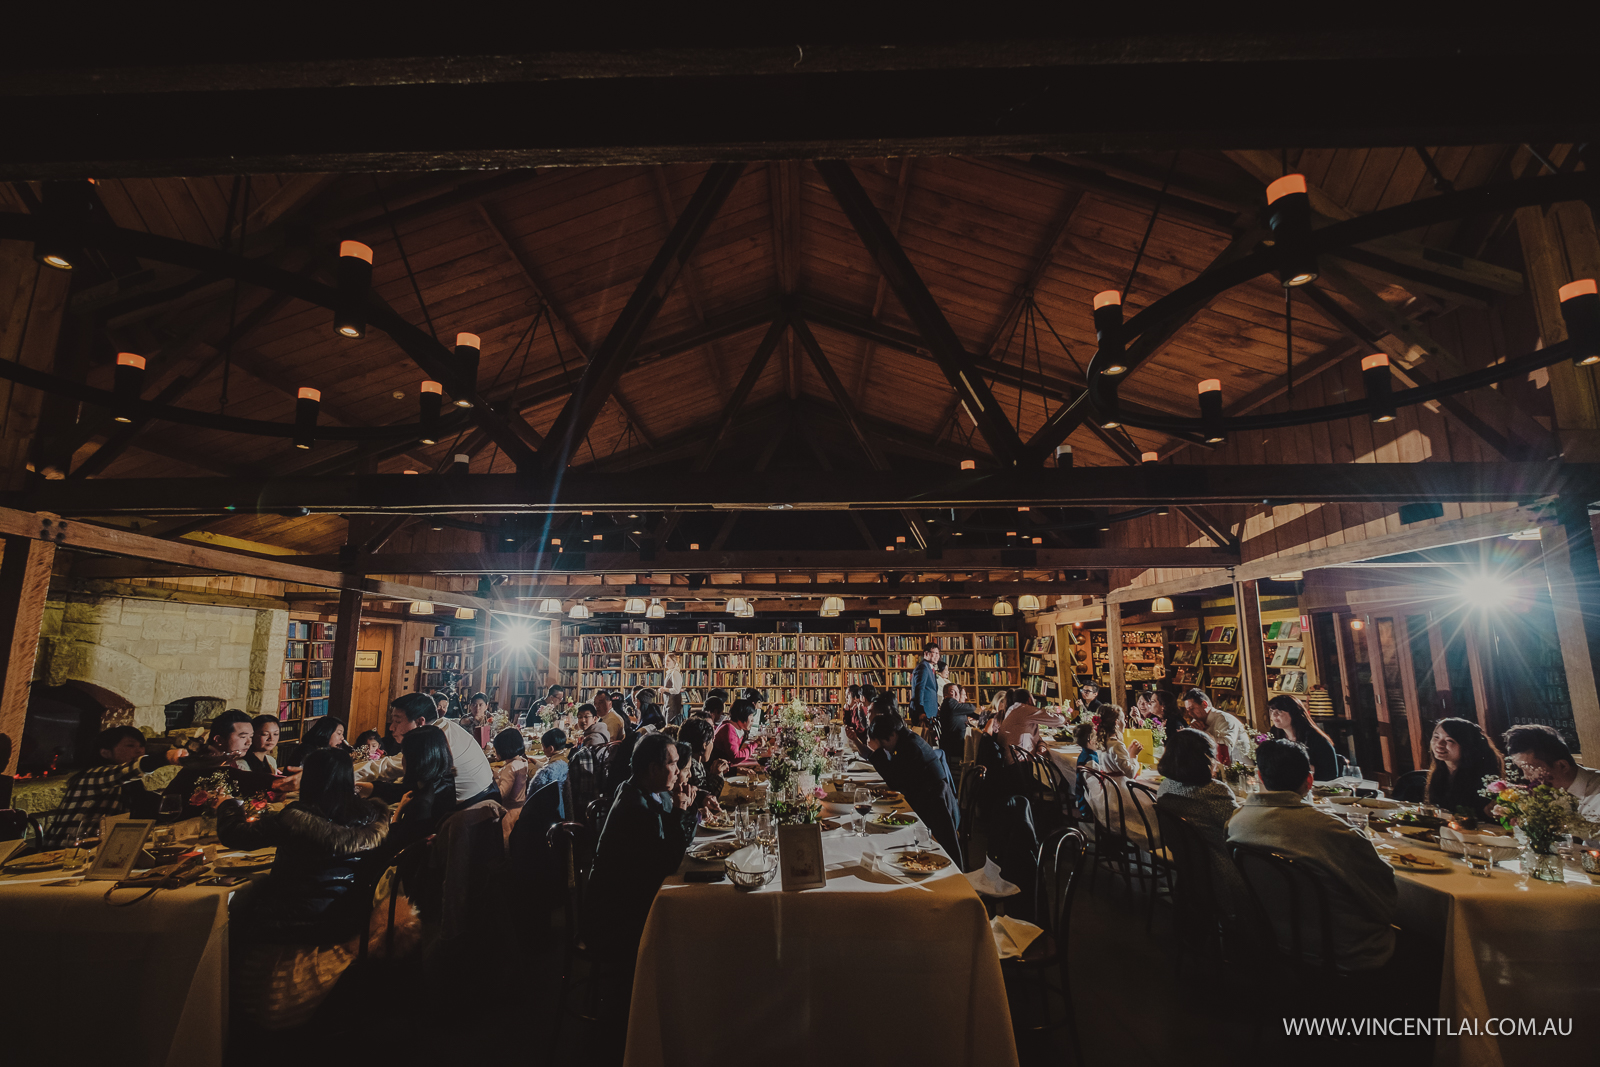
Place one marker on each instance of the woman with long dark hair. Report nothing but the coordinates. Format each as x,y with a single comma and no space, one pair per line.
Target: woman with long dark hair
429,782
1290,722
326,732
1463,756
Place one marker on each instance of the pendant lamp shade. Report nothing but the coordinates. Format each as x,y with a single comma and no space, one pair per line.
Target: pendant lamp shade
1161,604
1028,602
655,611
735,605
419,607
833,604
579,611
747,610
634,606
931,603
466,613
914,609
1003,607
550,606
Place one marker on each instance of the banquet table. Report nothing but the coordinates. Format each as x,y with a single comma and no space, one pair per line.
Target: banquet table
145,984
865,969
1513,948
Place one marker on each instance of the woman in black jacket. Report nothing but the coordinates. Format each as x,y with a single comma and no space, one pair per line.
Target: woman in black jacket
1290,722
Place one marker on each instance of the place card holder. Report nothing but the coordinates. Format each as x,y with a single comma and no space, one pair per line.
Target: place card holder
800,857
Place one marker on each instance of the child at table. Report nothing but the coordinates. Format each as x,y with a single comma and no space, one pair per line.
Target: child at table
1088,757
1120,758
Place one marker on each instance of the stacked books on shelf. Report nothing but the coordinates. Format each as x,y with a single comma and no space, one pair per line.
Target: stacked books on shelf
307,666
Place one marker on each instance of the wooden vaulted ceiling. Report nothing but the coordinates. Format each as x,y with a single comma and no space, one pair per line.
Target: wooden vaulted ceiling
540,263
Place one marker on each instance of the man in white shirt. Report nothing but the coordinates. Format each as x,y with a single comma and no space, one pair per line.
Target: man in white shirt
474,776
1361,892
1020,726
1546,760
1225,729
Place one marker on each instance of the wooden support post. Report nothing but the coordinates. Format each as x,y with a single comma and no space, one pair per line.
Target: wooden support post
345,640
1119,687
24,581
1252,655
1380,691
1571,569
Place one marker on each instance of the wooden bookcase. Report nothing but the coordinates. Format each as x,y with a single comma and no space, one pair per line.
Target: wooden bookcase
307,675
442,656
1039,670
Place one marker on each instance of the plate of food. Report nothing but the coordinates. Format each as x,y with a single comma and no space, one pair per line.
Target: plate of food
920,861
714,850
882,794
1411,861
1379,803
894,820
718,821
240,862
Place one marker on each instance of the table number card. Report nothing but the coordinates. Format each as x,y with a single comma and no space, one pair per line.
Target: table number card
800,856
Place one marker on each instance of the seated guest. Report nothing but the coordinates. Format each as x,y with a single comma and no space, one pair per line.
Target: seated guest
911,767
112,786
227,744
368,746
428,786
1020,726
1463,756
714,710
1545,759
731,742
704,771
1088,759
1117,757
326,732
1360,886
442,701
1188,764
586,778
476,712
1231,736
1290,722
1170,712
263,746
704,799
718,694
852,709
650,716
474,777
647,830
616,726
869,697
285,930
555,701
512,777
954,714
554,743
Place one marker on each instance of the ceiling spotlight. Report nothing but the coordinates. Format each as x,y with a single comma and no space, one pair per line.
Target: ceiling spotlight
1148,457
969,464
1289,216
634,606
1027,602
550,606
1357,624
1003,607
914,609
128,383
353,274
1580,309
655,611
305,416
1375,377
579,611
430,398
1161,605
932,603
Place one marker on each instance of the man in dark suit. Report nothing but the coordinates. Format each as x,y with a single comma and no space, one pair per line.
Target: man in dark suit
916,770
925,686
954,713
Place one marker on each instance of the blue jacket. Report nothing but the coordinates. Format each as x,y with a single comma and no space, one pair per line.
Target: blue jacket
924,694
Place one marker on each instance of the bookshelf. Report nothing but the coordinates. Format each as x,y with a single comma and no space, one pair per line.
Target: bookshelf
1290,668
1039,669
1219,656
981,663
1184,668
307,675
449,664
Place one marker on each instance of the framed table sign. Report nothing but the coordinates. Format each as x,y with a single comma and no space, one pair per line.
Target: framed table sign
119,850
800,857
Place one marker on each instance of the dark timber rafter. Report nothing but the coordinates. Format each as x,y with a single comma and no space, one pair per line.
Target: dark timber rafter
923,310
1198,517
600,377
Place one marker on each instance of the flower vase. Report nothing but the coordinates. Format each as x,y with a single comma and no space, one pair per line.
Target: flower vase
1545,866
804,784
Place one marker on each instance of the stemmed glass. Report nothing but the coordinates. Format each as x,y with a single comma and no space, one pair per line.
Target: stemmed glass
74,860
767,833
862,799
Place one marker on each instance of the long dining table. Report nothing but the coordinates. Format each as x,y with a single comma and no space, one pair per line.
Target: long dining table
867,969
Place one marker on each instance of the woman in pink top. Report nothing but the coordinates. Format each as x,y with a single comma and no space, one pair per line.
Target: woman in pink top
731,742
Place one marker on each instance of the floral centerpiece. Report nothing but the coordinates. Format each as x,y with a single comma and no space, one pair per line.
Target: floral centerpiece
798,758
1536,814
219,785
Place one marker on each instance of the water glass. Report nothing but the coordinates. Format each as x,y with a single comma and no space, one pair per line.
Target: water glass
1358,821
1479,857
767,833
1355,772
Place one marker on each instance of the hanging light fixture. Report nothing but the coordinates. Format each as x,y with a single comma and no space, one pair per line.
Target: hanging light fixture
932,603
128,382
354,275
833,603
1211,409
468,350
579,611
466,613
1108,330
306,404
634,606
1375,376
421,607
748,611
914,609
64,206
734,605
1003,607
826,614
1161,605
1289,216
655,611
430,398
1063,456
969,464
550,606
1148,457
1027,602
1580,309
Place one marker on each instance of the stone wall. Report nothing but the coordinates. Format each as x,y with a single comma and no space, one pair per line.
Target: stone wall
156,651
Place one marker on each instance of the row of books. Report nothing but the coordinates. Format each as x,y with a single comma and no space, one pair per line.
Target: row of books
1291,682
768,679
447,663
289,709
311,631
308,668
301,690
1287,656
1282,630
434,645
1043,645
308,650
853,643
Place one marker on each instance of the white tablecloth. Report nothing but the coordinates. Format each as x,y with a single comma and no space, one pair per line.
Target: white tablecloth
1512,949
865,970
144,985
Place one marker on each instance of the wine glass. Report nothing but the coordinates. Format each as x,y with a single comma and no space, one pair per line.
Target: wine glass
767,833
862,799
73,859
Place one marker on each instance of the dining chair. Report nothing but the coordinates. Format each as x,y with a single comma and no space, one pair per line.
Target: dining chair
371,881
969,784
1196,912
1061,858
1291,907
1111,843
573,844
1411,787
1152,863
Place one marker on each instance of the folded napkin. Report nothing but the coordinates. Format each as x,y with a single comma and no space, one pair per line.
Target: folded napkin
749,860
1012,936
989,883
1503,848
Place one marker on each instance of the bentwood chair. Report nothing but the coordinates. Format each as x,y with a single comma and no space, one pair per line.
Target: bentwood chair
573,844
1061,859
1196,907
969,784
1152,863
1111,843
